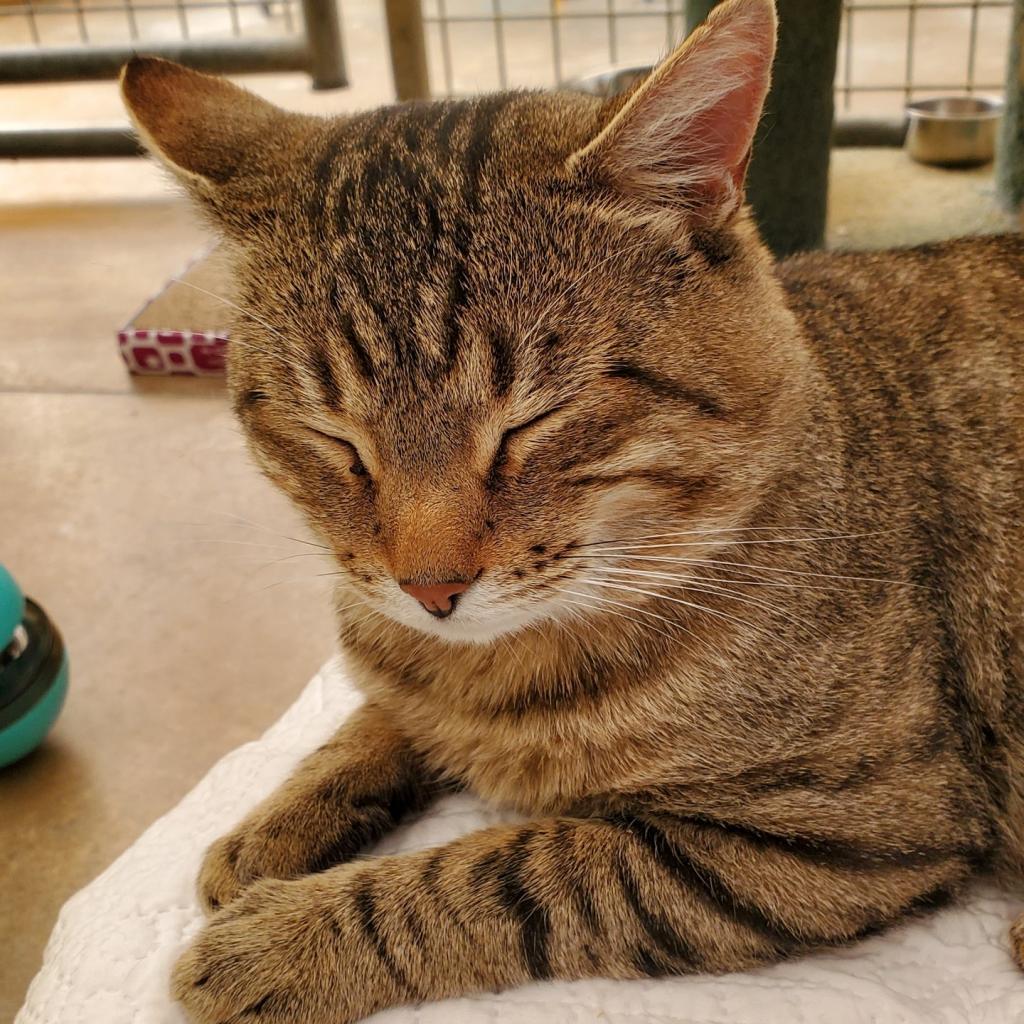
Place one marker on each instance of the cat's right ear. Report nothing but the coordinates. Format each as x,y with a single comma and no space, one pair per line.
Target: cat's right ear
681,139
222,142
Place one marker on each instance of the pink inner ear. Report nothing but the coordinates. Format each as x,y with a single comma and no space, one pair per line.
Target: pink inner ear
684,141
725,131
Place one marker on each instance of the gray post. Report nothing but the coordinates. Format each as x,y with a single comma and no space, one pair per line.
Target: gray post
788,180
408,49
1010,157
323,32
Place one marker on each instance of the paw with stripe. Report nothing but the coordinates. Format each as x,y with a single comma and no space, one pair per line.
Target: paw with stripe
344,796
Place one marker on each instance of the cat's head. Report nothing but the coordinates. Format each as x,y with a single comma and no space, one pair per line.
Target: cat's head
481,342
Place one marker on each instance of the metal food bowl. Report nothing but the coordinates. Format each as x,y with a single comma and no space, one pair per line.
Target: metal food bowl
953,131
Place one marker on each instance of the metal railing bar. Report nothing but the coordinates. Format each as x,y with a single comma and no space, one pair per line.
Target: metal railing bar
499,43
236,24
483,19
972,46
182,19
129,14
97,62
30,13
670,36
555,18
322,33
926,5
83,29
848,60
446,44
908,76
613,35
169,5
26,142
902,87
21,142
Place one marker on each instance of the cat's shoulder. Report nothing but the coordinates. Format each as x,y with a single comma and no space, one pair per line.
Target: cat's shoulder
811,278
978,250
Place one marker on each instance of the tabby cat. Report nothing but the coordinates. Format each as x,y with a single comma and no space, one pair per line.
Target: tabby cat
711,568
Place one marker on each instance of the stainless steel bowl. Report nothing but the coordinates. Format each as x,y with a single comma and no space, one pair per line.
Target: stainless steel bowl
953,131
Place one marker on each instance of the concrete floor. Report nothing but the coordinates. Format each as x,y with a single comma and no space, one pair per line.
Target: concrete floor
129,509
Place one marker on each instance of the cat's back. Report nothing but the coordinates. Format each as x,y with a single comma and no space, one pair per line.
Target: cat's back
946,319
908,297
920,355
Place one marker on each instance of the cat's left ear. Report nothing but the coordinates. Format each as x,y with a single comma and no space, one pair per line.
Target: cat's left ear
227,146
682,139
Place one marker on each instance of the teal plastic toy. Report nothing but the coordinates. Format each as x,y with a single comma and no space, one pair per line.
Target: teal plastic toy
33,672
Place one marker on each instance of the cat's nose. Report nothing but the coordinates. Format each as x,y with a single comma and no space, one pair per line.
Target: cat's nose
437,598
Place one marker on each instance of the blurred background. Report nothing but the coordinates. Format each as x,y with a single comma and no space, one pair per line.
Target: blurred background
191,604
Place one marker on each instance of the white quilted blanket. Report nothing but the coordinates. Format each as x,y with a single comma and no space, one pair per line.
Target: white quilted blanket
111,951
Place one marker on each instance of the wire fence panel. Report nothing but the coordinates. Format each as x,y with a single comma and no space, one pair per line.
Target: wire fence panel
890,51
41,24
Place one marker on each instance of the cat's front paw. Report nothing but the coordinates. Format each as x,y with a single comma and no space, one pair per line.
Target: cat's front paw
282,952
277,844
244,856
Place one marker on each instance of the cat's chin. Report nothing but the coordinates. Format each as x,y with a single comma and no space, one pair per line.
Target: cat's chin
469,631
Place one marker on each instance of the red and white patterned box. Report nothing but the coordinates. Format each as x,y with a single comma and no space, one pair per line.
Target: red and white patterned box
179,330
193,353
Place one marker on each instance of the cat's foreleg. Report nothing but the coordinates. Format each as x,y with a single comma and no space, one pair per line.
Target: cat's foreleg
342,797
559,898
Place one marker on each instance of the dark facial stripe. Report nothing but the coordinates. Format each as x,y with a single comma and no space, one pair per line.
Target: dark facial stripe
366,909
453,116
474,159
324,373
717,247
248,399
503,364
682,955
684,487
478,146
458,291
662,387
529,913
349,334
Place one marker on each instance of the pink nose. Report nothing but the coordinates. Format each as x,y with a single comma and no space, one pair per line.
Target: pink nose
437,598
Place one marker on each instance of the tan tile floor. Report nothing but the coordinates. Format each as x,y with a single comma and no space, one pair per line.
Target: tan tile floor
118,506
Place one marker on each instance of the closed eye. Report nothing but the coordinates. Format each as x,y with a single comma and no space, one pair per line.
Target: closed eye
501,456
356,464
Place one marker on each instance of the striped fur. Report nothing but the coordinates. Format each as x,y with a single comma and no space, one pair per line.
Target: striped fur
744,636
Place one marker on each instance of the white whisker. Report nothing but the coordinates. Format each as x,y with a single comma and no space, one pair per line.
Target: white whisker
689,604
707,585
744,543
706,531
633,608
245,312
762,568
746,579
